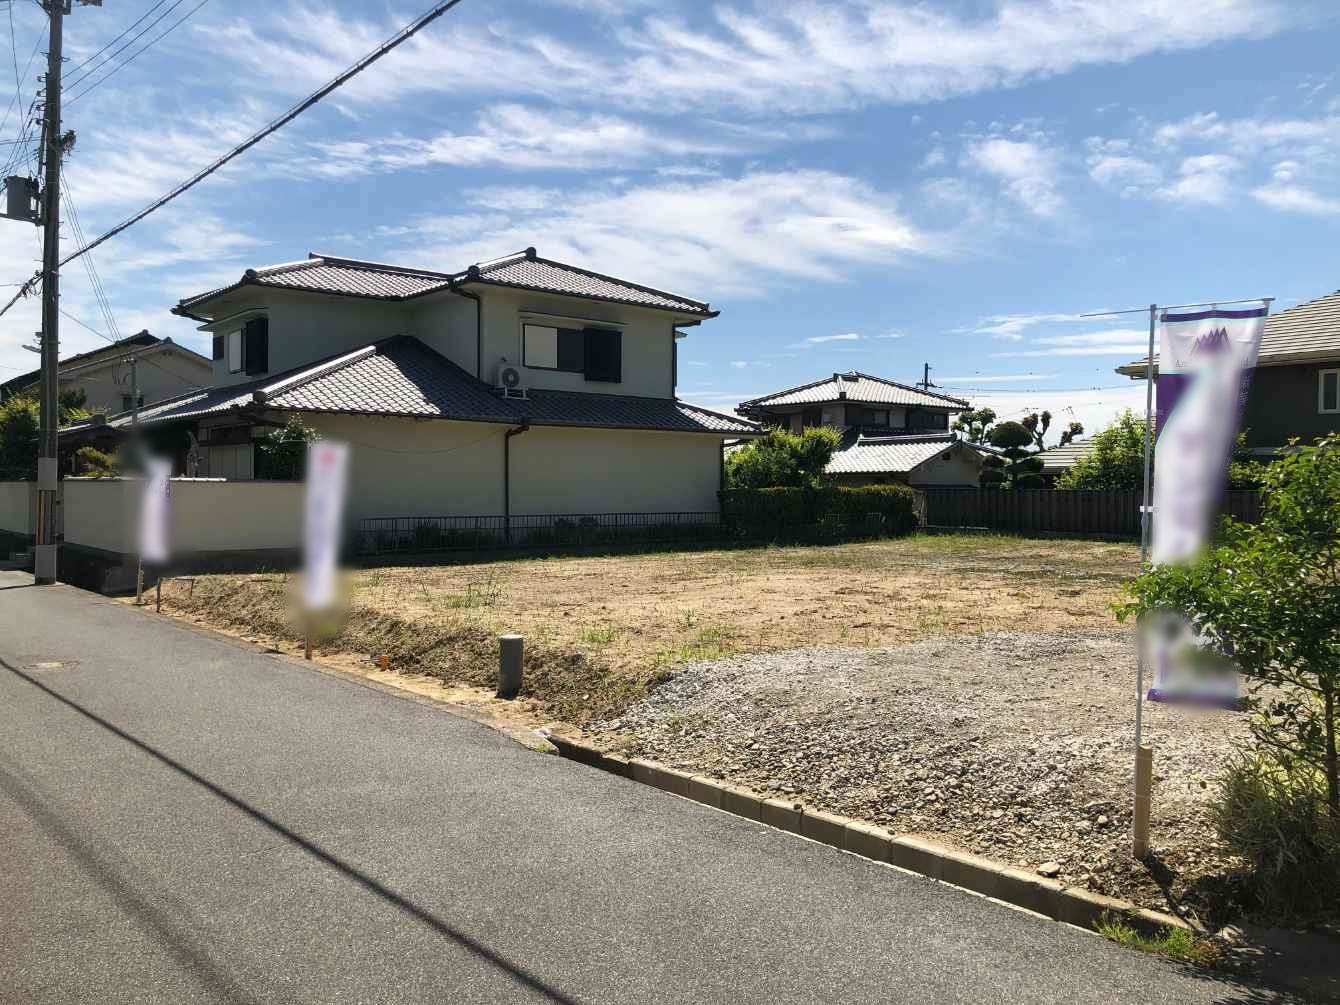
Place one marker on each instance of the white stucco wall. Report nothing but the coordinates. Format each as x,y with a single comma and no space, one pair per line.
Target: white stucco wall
400,467
647,345
403,467
960,469
206,516
446,322
305,327
100,513
18,507
614,471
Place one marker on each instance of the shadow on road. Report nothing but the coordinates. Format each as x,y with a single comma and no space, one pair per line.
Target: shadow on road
189,953
401,903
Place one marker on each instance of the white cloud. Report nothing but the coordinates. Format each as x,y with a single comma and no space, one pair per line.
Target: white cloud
775,57
1096,409
1129,342
1206,159
735,236
1206,179
1012,326
1007,378
846,337
749,364
1027,170
1296,199
512,136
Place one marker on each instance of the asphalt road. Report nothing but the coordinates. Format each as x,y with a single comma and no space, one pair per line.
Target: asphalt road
183,819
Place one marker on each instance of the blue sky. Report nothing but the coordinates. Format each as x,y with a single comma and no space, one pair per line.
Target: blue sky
864,186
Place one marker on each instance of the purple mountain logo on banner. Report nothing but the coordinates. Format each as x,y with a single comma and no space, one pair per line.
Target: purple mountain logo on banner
1211,342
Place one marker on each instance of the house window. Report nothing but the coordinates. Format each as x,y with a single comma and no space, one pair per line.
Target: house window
593,352
233,340
1328,391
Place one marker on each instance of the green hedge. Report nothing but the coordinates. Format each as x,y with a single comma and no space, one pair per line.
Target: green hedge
825,514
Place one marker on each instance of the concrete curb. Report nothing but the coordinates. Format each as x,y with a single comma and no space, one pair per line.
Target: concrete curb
1046,897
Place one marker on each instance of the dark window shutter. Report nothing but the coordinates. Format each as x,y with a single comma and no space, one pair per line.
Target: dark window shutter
604,355
256,345
571,350
218,346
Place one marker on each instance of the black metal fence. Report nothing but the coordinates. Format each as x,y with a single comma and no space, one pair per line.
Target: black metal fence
407,535
1099,511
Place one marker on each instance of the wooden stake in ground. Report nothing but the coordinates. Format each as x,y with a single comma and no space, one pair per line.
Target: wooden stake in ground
1144,783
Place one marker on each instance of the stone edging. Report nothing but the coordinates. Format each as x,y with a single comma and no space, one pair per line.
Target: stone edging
990,879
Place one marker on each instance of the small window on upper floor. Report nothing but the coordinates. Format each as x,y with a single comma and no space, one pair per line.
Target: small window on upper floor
595,353
233,340
1328,391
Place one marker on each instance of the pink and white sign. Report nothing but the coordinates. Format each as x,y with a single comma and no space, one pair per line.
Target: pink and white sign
327,481
1206,362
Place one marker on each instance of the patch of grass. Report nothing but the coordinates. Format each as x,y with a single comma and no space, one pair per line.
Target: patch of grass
483,593
1174,943
602,636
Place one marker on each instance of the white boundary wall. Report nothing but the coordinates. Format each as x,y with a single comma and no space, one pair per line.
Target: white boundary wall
18,513
207,516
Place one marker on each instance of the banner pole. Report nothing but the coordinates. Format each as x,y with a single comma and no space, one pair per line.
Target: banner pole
1144,756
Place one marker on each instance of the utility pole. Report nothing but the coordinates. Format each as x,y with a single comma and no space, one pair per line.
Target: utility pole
53,149
44,567
925,383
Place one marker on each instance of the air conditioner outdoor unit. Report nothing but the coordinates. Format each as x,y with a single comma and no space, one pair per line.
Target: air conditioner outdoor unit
509,380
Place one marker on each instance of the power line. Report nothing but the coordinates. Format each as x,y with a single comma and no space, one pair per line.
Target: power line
130,350
99,291
125,31
402,36
137,53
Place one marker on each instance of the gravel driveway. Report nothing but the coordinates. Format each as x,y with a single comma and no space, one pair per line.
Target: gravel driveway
1013,745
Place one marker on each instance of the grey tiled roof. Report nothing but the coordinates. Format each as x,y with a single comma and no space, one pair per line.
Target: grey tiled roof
887,455
855,387
1058,459
352,278
530,272
401,376
1309,331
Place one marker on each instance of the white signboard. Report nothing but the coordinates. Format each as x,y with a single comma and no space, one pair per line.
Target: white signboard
327,466
1206,362
155,511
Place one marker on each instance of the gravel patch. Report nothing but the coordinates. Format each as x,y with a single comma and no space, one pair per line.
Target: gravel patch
1012,745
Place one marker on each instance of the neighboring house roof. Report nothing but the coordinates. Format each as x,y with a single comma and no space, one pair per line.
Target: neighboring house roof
527,271
889,454
400,376
857,388
103,354
1058,459
1310,331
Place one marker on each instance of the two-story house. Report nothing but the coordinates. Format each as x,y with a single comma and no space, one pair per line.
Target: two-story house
891,432
1296,387
163,369
517,386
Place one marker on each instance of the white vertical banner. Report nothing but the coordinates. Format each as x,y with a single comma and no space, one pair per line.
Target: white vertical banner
327,480
1206,362
155,511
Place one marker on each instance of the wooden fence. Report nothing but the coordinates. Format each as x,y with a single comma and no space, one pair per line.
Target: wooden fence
1105,512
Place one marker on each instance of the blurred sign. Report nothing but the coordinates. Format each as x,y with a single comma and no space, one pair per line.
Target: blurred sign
327,466
1206,362
155,511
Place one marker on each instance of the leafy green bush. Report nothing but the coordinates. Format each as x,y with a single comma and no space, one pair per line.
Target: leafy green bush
828,513
1115,460
90,462
282,455
783,459
1274,816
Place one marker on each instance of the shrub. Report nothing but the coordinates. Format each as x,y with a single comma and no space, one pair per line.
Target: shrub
820,514
783,459
1274,816
90,462
282,455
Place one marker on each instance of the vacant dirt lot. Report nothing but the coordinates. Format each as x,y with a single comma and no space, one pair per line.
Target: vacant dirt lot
973,688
